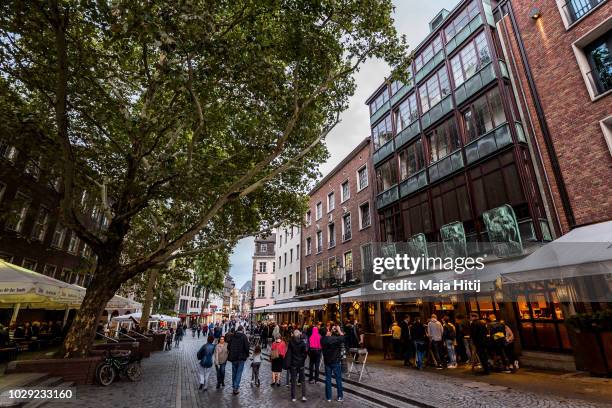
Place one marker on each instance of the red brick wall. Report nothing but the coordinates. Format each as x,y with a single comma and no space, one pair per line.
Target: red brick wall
359,237
572,118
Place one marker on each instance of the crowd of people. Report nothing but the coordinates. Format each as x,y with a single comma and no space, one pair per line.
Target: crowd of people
446,345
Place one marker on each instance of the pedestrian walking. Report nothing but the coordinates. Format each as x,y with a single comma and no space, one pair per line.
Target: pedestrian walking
296,359
314,354
199,329
331,346
277,355
169,336
255,364
478,332
178,335
449,335
396,336
221,354
510,347
497,335
205,356
193,331
435,331
238,353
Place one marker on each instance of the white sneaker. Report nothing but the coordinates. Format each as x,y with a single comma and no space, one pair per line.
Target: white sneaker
516,364
293,400
340,399
304,399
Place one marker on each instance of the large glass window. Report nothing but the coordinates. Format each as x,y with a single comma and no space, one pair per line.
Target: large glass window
462,19
434,90
443,140
483,115
416,215
386,175
406,113
428,52
17,218
379,101
576,9
600,60
451,203
470,59
383,132
411,159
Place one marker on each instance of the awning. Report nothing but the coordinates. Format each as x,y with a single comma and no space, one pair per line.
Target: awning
584,251
315,304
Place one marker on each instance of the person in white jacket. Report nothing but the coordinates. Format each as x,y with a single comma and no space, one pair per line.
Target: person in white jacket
435,331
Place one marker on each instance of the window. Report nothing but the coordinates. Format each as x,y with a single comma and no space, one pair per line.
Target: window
85,251
331,202
66,274
263,248
411,160
308,218
261,289
50,270
291,255
278,285
284,285
297,279
346,227
308,246
599,56
8,152
319,241
483,115
462,20
364,215
428,53
386,175
297,252
279,261
319,210
574,10
348,261
379,101
319,270
397,85
274,267
274,289
366,258
434,90
331,235
290,283
262,267
362,178
470,59
40,225
291,232
33,167
443,140
406,113
73,244
382,132
345,191
285,257
21,205
58,236
30,264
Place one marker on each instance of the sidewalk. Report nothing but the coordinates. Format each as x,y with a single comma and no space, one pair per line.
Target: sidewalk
456,387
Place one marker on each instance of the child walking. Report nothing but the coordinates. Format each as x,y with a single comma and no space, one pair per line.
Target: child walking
255,364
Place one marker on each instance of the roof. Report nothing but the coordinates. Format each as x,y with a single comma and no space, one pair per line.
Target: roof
340,165
247,286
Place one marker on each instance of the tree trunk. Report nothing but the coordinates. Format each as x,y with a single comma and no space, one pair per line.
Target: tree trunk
205,302
148,299
80,337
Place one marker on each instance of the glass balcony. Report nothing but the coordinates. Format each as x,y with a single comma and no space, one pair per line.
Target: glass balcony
380,112
413,183
387,197
445,166
400,94
407,134
383,152
488,143
464,34
429,66
437,111
479,80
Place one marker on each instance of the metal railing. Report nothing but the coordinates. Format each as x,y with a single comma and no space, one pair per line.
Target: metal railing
574,10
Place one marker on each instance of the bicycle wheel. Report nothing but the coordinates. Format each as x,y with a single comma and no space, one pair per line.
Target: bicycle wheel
105,373
134,371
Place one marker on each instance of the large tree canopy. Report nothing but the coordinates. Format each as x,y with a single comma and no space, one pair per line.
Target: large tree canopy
189,123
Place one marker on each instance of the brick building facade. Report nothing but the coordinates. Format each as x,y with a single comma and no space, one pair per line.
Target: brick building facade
564,99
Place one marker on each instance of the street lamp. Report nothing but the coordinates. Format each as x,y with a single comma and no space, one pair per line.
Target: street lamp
338,272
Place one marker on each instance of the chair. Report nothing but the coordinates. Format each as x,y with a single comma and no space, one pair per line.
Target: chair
360,357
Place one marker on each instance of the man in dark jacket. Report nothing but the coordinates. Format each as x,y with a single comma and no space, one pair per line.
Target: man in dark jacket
418,335
331,346
297,357
479,332
406,340
238,352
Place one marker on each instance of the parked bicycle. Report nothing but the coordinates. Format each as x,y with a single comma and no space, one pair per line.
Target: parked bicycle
118,364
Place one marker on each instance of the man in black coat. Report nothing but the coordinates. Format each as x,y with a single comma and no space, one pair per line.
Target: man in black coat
297,357
479,335
331,346
406,340
238,352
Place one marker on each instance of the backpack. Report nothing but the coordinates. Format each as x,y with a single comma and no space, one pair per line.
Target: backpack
207,358
450,331
498,331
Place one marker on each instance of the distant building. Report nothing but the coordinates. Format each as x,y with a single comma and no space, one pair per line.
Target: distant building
228,286
287,275
264,266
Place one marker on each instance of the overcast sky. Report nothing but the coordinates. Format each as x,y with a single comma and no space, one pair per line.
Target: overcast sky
412,19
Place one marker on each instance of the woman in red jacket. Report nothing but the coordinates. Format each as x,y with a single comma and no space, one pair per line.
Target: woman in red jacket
277,355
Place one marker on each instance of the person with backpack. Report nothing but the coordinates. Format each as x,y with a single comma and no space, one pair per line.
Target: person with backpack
238,353
449,334
205,356
497,334
255,364
331,346
277,356
221,354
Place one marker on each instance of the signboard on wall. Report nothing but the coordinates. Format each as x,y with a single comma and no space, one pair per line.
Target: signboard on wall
503,230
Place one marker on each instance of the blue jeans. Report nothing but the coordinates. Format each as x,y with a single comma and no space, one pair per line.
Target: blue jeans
237,367
419,347
336,369
221,374
452,357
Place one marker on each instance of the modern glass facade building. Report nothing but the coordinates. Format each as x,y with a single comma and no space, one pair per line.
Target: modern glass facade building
449,145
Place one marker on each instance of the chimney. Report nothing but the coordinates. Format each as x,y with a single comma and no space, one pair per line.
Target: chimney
438,19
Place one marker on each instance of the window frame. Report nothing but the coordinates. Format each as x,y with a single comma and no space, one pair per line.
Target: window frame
415,146
359,170
430,160
361,226
584,65
343,198
331,207
470,108
480,62
318,211
350,227
388,122
426,107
